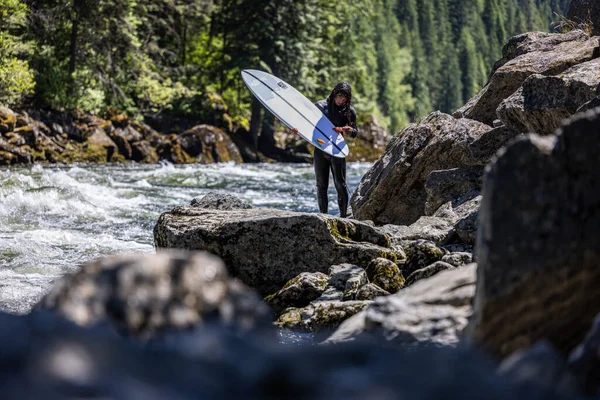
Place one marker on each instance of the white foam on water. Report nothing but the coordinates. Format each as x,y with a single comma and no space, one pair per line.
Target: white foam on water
55,218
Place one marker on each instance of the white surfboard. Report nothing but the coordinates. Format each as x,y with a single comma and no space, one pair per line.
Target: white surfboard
296,111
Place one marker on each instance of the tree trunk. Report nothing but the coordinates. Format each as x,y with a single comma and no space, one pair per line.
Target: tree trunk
266,142
73,49
255,121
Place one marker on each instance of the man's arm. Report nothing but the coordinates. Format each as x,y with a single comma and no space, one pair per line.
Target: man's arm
354,133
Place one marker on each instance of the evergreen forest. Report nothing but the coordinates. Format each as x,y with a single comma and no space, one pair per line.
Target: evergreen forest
183,58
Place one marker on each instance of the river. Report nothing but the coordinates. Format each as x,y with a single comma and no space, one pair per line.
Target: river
53,219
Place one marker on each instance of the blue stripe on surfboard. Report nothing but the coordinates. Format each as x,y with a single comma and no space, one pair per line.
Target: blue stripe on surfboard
295,109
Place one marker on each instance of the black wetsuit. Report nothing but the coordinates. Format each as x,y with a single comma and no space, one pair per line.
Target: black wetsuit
325,162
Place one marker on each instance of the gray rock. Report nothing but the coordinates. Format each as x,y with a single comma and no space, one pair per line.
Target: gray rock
458,259
531,42
370,291
220,201
299,291
466,228
393,190
444,186
432,311
340,274
538,241
428,271
483,149
434,229
543,102
556,53
330,294
143,295
265,248
385,274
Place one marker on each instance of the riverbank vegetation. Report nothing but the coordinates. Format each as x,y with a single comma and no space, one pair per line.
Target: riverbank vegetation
173,60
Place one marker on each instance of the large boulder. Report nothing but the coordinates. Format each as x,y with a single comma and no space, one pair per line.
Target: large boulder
585,13
538,243
432,311
543,102
393,190
265,248
447,185
550,55
208,144
146,295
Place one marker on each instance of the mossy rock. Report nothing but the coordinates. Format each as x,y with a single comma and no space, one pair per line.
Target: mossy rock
420,254
385,274
298,291
370,291
8,120
320,316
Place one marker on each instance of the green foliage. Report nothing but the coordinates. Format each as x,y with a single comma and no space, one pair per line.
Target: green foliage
404,58
16,78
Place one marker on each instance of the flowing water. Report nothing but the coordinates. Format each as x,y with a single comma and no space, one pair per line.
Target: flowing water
53,219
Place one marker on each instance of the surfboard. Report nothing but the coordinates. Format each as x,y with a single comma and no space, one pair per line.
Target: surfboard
296,111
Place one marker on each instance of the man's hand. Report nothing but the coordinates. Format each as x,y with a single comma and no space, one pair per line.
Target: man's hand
344,130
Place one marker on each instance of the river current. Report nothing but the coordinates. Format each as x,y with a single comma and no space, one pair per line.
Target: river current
53,219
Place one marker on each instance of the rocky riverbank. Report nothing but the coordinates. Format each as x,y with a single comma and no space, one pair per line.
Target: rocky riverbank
471,256
61,137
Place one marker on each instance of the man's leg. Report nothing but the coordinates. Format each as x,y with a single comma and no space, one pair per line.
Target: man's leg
322,166
338,168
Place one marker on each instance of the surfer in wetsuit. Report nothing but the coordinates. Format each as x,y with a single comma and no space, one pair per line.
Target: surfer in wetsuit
338,108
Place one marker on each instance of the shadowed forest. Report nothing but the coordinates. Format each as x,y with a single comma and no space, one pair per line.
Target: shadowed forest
182,58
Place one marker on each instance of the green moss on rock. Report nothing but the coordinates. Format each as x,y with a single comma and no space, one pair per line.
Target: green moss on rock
385,274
